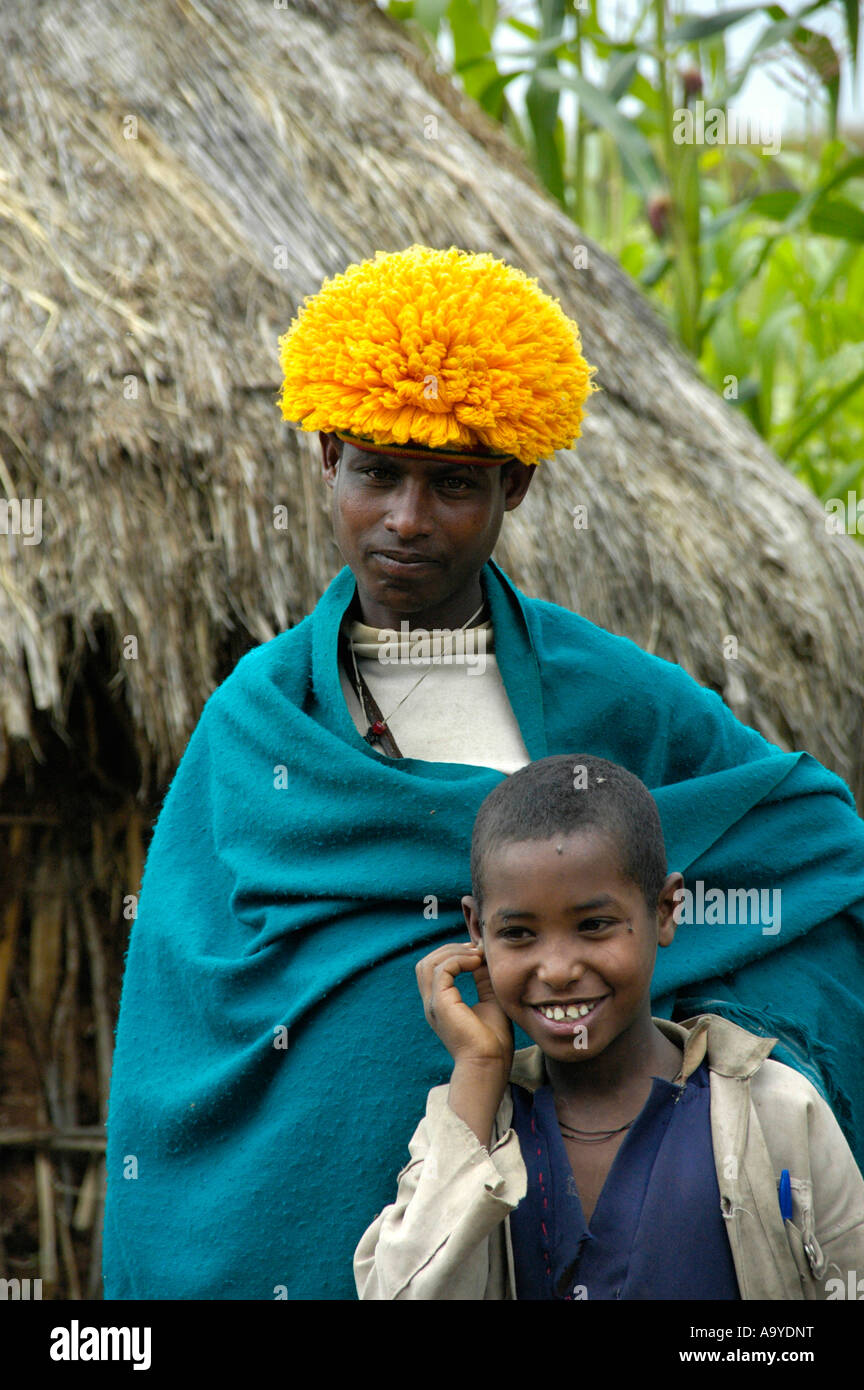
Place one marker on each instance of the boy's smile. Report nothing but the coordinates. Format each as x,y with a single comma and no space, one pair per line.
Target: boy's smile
570,944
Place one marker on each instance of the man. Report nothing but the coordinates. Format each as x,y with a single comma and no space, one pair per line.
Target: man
315,840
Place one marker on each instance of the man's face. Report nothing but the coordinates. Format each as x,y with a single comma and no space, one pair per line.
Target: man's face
566,933
417,532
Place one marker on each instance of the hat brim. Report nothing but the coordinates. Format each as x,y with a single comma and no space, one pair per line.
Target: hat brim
418,451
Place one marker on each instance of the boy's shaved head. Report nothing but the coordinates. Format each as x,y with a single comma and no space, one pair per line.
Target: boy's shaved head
570,794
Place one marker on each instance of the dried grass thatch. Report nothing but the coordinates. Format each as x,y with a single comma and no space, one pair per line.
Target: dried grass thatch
266,148
173,180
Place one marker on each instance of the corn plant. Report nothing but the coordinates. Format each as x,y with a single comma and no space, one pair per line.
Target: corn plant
755,257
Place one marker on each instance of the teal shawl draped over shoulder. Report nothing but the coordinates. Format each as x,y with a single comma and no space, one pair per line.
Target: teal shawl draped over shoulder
272,1058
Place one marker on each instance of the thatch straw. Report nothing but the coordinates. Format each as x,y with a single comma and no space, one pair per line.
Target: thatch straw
270,148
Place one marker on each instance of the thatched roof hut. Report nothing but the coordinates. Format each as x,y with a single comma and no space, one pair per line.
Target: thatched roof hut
173,181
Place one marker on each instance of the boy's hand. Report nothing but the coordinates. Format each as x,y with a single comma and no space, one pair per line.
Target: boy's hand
480,1034
479,1039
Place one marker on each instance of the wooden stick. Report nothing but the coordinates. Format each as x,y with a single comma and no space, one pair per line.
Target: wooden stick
46,934
70,1264
134,850
64,1044
85,1208
64,1053
82,1139
18,837
48,1268
101,1006
102,1014
31,1033
12,819
94,1278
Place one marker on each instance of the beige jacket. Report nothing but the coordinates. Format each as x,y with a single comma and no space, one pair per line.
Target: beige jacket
447,1235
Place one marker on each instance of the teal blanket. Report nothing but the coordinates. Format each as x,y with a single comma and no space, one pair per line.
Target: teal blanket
272,1058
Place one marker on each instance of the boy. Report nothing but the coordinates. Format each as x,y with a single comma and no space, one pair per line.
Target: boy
628,1157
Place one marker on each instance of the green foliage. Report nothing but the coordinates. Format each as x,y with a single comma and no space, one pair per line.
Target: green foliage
754,255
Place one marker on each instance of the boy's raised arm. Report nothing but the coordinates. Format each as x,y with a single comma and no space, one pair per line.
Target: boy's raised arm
462,1180
479,1039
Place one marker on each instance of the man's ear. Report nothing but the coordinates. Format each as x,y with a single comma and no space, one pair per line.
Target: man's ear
516,480
331,453
670,897
472,919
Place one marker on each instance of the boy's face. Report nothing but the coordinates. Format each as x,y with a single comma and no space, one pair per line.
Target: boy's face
564,929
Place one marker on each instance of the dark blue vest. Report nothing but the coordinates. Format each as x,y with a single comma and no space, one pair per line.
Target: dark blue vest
657,1231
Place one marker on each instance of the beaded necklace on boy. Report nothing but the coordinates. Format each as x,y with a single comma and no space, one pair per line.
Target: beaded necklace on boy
592,1136
599,1136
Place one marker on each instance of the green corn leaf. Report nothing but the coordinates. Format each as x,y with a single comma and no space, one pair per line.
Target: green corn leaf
808,424
820,55
851,8
748,389
775,33
717,225
477,61
796,208
653,274
635,151
429,13
603,46
554,44
853,170
818,52
779,32
705,26
776,205
841,482
541,103
647,93
620,76
487,11
470,42
529,30
839,269
839,218
491,97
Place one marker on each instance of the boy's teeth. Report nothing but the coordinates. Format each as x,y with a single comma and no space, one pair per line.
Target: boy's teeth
555,1011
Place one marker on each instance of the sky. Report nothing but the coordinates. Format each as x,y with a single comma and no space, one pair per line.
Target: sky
772,89
775,90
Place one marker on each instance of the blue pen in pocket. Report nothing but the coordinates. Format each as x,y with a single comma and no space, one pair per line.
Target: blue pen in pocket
785,1195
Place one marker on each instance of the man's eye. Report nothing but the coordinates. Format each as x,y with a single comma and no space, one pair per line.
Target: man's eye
456,484
594,924
514,933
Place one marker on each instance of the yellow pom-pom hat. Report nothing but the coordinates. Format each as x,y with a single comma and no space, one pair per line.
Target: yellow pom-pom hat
448,351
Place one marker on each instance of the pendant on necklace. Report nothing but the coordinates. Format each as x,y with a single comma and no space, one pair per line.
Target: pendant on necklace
376,730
